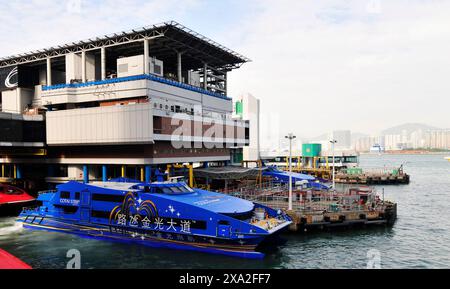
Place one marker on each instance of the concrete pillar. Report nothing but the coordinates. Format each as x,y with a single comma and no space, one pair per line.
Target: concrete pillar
86,174
18,172
146,57
104,173
179,67
83,66
148,174
191,175
50,171
124,172
103,61
49,71
205,76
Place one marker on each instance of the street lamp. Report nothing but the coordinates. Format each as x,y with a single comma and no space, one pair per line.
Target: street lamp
290,137
333,142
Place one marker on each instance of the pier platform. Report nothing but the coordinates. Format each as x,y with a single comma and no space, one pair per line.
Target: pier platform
352,207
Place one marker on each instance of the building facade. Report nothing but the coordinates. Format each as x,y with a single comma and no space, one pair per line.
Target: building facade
119,105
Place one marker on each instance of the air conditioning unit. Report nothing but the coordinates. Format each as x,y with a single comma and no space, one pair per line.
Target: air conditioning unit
157,67
194,78
129,66
134,65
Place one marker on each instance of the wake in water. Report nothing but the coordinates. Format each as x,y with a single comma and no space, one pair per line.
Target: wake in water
9,226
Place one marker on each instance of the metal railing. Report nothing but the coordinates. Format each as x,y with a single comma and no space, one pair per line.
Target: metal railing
308,201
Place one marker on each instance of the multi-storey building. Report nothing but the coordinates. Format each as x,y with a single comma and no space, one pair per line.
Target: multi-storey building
118,105
438,139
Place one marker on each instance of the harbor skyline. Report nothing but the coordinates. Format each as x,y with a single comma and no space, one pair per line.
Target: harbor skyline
264,135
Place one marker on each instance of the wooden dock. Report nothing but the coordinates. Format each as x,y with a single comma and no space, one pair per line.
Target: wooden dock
309,221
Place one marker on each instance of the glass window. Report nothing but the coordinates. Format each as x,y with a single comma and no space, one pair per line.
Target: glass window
176,190
65,195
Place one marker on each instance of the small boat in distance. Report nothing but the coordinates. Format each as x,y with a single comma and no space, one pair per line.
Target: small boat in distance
13,199
165,214
377,149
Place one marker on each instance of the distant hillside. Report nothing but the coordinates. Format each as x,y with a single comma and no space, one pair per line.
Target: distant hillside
409,128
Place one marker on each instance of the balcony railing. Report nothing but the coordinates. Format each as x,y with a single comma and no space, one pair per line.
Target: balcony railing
134,78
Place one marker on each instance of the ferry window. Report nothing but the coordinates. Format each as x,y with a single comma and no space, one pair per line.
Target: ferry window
226,223
107,198
163,191
184,189
70,210
100,214
65,195
176,190
187,189
77,195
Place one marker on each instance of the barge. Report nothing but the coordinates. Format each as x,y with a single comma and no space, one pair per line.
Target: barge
373,177
165,214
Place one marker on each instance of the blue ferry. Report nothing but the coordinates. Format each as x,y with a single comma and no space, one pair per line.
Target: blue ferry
161,214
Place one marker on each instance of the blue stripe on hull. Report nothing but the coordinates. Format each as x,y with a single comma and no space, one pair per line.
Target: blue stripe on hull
149,243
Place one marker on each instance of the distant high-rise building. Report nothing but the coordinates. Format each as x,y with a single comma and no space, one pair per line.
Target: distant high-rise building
364,144
393,142
247,107
438,139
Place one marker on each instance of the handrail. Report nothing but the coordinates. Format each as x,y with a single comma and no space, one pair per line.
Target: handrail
134,78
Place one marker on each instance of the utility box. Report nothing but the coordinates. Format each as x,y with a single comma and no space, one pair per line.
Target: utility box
311,150
134,65
74,67
130,66
192,78
157,67
16,100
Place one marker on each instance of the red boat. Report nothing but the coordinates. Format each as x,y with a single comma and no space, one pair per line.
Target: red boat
13,200
8,261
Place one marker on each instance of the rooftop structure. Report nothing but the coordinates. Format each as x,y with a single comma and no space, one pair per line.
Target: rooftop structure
155,95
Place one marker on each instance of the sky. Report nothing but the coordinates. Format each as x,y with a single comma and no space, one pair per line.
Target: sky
317,66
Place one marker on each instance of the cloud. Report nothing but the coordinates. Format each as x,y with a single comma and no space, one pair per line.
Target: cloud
362,65
318,65
29,25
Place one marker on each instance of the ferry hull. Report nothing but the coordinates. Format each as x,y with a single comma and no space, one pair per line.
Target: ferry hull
199,244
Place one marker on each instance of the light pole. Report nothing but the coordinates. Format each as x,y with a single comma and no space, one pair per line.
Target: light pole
333,142
291,137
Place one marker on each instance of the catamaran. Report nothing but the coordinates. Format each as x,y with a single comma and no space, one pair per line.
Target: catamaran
163,214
